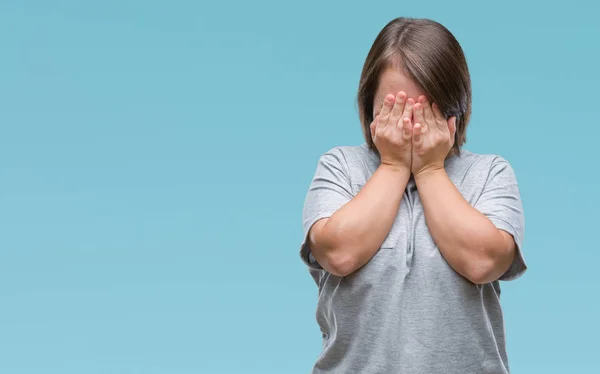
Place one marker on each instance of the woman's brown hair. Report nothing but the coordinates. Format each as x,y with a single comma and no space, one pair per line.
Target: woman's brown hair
428,54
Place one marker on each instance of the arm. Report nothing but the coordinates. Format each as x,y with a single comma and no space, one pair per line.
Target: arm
352,235
469,241
352,229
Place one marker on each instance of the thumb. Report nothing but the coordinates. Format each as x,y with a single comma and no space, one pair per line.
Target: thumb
373,126
452,128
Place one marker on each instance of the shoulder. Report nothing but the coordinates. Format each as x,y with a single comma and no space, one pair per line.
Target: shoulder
351,151
481,165
356,161
352,155
479,160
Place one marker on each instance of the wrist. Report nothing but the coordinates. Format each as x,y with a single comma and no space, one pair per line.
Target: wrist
429,171
395,168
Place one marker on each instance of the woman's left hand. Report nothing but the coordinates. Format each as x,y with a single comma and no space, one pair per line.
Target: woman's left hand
433,137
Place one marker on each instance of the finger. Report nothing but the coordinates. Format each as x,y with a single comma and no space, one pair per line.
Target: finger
386,109
417,134
407,128
408,108
398,108
418,113
428,112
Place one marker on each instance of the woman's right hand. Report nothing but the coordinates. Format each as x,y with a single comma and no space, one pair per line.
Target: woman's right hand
391,131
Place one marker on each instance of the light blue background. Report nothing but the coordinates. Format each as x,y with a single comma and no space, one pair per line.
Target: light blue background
155,156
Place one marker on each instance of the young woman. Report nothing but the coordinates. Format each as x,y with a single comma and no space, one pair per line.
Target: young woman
407,236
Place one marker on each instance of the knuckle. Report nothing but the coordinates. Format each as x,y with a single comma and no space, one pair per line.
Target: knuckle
382,133
399,141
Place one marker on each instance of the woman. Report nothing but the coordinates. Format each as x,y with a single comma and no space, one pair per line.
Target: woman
407,236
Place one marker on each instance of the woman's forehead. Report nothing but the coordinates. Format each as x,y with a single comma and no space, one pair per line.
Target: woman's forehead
391,81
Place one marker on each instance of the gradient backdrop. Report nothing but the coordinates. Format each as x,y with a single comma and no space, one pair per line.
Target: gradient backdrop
154,159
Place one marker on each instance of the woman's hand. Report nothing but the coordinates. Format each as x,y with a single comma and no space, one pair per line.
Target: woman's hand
391,131
432,138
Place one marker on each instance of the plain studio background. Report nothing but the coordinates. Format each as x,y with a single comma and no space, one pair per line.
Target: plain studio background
155,156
